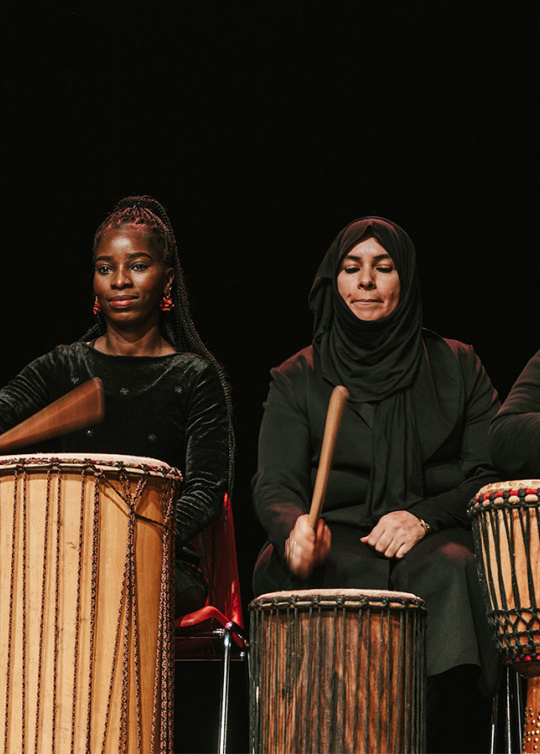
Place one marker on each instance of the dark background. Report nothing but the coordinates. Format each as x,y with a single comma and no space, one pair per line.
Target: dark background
264,128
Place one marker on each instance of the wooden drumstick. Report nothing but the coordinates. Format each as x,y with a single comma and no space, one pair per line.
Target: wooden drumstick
79,408
333,418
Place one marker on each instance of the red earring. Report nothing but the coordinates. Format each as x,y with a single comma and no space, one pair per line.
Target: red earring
166,304
97,307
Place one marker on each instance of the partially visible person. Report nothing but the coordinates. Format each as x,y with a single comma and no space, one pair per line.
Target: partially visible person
410,454
166,397
514,436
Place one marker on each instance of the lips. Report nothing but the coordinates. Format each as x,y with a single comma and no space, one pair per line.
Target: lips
121,302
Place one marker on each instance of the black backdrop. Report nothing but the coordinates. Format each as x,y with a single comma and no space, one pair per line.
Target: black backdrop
264,127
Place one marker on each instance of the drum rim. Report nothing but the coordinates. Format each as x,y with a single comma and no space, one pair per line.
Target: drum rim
102,461
509,484
327,597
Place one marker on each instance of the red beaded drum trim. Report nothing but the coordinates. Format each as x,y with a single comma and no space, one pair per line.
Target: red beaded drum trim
504,496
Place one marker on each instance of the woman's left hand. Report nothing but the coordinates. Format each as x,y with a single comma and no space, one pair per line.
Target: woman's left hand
395,534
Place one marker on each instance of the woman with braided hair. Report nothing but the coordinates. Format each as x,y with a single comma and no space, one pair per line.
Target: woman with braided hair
166,397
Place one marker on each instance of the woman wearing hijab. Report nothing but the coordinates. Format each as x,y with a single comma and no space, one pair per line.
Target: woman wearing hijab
410,454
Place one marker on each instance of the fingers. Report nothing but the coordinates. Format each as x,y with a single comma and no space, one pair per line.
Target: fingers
324,541
305,548
301,560
395,534
303,532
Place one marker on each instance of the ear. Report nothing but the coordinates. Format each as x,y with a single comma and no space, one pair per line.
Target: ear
169,277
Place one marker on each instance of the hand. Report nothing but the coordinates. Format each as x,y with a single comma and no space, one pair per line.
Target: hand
395,534
305,548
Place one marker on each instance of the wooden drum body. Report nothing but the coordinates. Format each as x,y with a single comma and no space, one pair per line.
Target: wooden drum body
85,603
506,527
337,671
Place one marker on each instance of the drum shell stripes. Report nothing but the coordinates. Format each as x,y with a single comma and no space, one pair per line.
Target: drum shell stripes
86,603
337,671
506,527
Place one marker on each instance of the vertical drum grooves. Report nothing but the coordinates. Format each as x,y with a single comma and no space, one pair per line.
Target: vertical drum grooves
506,528
84,545
337,671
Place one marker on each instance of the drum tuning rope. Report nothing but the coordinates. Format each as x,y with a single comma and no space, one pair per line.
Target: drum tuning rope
57,591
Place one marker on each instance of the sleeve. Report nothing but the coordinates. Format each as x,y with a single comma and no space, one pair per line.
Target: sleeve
515,432
206,467
27,393
282,485
481,403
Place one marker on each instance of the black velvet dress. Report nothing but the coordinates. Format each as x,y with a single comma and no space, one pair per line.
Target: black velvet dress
170,407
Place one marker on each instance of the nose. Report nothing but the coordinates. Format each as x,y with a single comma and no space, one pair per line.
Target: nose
121,278
365,278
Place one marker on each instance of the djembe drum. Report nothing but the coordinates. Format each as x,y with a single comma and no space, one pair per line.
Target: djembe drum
337,671
506,527
85,596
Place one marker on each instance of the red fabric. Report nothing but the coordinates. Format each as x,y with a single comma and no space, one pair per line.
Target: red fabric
195,638
217,549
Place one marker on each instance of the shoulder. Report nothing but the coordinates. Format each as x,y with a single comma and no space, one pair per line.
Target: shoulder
192,363
455,365
531,371
445,351
295,383
198,376
524,396
60,355
436,343
297,366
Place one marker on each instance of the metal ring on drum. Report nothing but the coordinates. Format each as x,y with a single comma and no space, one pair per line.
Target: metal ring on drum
86,599
337,671
506,528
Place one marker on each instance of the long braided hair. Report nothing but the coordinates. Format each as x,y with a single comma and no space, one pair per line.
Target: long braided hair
176,326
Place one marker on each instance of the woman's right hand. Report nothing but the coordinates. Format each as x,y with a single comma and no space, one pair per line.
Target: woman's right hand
307,548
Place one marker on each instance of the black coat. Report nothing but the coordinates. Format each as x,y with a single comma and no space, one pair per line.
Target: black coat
455,457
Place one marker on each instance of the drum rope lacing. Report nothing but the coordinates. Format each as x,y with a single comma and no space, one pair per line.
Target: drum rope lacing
77,617
268,728
88,463
10,614
42,608
163,681
128,590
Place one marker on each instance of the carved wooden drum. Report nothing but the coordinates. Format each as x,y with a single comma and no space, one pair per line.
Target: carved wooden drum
337,671
506,527
86,603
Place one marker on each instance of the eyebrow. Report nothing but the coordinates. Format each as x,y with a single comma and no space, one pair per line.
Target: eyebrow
377,258
133,255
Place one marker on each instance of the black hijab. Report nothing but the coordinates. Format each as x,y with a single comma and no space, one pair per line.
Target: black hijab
377,361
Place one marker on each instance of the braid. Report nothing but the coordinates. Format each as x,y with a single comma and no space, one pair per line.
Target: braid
177,325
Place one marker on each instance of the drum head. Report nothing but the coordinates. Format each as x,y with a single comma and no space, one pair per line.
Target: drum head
300,597
135,464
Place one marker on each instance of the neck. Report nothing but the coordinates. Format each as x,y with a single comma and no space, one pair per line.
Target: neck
119,343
